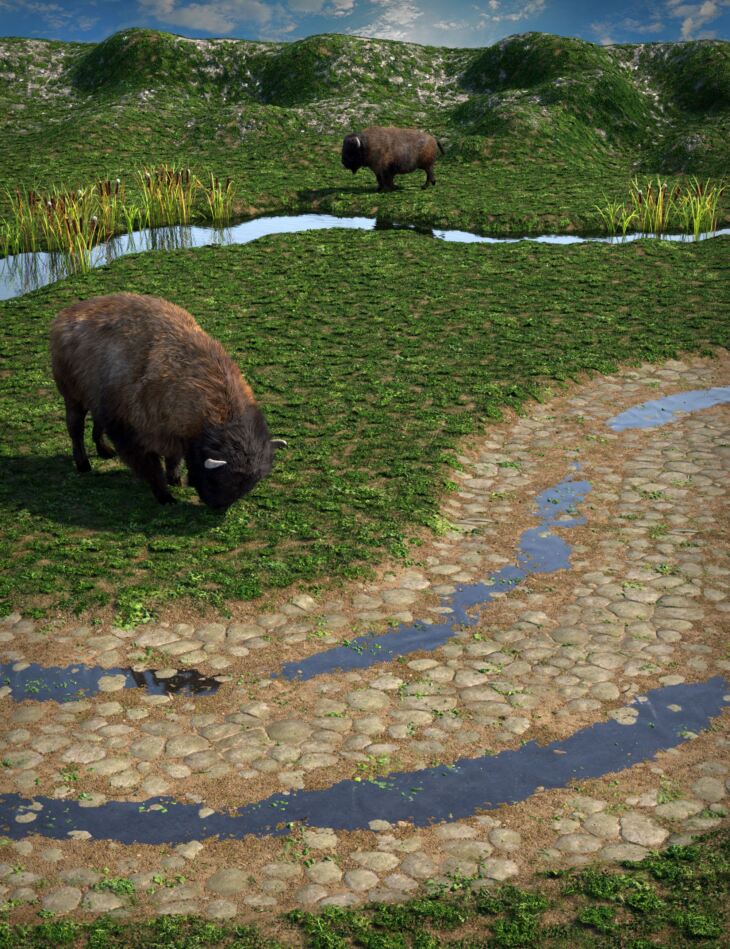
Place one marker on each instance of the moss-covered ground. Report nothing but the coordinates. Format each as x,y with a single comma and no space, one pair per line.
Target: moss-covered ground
677,898
372,354
537,129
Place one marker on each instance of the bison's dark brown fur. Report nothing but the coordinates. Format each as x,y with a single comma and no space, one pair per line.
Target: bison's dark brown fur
390,151
159,387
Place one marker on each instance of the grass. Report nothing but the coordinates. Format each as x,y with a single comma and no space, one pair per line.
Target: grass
372,353
534,128
659,207
676,898
73,222
345,338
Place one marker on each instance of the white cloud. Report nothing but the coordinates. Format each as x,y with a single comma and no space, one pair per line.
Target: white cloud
694,16
395,22
513,14
602,32
605,30
216,16
451,25
636,26
51,14
341,7
305,6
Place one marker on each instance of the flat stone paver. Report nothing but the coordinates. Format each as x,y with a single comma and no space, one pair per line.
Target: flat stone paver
645,603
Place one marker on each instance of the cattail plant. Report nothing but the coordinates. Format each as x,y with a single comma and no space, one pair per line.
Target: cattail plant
658,207
610,215
653,206
167,195
219,200
74,221
698,207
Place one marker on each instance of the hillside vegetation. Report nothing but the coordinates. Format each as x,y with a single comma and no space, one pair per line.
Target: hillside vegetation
537,127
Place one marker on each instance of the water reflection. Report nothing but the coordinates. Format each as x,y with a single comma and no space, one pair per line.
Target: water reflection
661,411
539,551
22,273
77,681
665,718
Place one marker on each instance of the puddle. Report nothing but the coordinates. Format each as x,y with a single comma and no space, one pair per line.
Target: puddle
22,273
662,411
666,717
539,552
42,683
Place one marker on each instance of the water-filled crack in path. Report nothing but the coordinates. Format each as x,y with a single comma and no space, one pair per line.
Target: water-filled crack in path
664,718
407,769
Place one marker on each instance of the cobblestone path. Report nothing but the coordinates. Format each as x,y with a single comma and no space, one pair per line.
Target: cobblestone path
644,604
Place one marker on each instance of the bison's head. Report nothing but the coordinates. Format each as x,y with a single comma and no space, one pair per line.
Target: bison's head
227,461
352,153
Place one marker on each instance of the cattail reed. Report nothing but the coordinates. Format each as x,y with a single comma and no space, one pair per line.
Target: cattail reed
659,207
73,221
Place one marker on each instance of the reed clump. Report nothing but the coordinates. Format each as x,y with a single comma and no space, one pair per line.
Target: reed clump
168,194
219,200
73,222
698,206
658,207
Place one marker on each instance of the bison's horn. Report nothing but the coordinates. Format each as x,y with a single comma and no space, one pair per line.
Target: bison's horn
279,443
358,142
214,463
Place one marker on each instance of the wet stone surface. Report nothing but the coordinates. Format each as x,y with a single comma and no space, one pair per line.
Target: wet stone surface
644,604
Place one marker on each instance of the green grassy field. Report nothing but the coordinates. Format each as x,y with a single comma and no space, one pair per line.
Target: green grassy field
677,898
373,354
537,128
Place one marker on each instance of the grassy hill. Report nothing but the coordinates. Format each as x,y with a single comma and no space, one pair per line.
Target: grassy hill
374,353
538,127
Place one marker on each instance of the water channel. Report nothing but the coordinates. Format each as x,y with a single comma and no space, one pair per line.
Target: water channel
23,273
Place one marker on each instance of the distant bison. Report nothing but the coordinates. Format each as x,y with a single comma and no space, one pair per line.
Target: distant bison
390,151
159,387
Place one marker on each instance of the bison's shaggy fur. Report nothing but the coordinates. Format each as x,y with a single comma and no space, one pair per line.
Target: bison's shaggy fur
390,151
159,387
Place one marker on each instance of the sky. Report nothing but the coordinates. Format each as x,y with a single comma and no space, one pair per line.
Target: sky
457,23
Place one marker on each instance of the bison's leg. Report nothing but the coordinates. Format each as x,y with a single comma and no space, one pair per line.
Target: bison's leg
388,183
430,178
172,469
103,448
149,468
146,464
75,417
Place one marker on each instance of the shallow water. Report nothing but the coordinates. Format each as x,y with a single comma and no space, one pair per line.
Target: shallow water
22,273
539,551
662,411
666,717
49,683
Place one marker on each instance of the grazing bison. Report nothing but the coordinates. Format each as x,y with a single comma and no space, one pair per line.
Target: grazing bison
159,387
391,151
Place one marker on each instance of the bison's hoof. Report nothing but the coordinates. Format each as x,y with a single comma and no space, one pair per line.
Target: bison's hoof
166,498
83,466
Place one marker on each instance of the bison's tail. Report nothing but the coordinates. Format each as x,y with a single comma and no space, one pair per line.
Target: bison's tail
441,147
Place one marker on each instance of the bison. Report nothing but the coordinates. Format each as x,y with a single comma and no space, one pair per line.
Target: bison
159,387
391,151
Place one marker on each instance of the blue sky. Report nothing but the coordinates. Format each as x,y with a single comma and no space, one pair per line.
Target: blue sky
438,22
